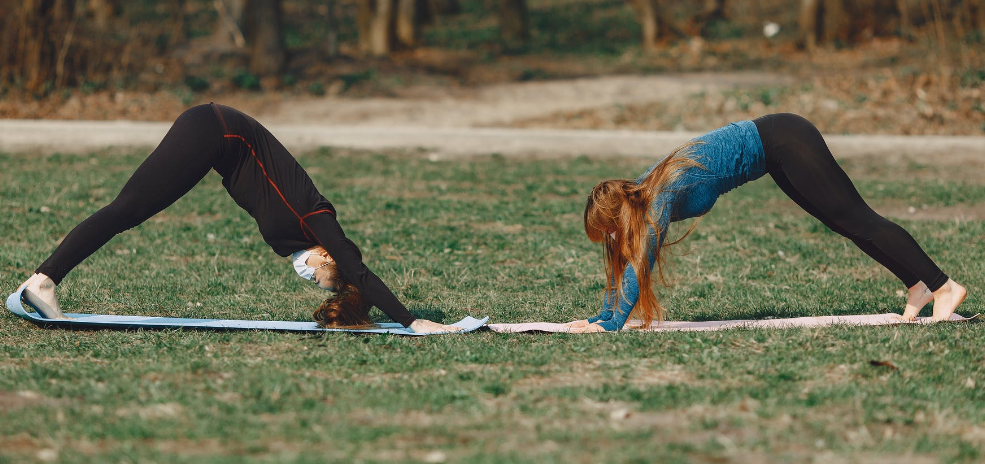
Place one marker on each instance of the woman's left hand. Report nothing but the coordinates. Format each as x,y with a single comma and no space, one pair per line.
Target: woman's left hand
576,324
590,328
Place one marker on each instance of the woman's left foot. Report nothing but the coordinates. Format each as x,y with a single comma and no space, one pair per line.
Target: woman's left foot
946,300
39,290
918,297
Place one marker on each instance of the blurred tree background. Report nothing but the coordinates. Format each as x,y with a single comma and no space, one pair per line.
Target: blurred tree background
52,48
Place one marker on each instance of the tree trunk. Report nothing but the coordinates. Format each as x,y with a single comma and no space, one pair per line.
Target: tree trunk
38,35
381,29
715,10
376,26
650,23
979,16
265,36
654,24
407,23
331,22
232,21
178,30
364,17
103,11
809,24
444,7
514,27
904,18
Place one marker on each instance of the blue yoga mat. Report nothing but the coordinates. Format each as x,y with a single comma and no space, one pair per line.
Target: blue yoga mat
102,321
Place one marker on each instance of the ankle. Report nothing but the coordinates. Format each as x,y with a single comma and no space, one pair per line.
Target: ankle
42,279
918,289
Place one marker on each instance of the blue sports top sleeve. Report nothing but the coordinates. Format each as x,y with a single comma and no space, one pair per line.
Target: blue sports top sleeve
729,156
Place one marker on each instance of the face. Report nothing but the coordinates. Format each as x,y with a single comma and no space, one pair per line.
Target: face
325,270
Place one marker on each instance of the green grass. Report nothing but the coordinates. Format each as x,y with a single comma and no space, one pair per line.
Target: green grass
487,236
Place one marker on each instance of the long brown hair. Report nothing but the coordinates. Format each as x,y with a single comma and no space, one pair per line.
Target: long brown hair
346,308
624,207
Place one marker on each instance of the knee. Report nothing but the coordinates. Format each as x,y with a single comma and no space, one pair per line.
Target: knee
865,225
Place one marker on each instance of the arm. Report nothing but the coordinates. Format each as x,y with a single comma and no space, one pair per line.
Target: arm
607,303
330,236
628,296
615,313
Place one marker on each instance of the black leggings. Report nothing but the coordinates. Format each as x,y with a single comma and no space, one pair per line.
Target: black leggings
184,157
802,166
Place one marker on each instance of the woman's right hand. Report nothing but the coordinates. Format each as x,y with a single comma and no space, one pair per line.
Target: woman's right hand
577,324
426,326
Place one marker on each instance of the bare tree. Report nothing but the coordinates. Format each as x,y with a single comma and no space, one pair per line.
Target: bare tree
264,34
375,21
37,36
102,12
444,7
655,23
229,27
809,24
388,25
178,30
514,26
407,22
849,21
715,10
331,22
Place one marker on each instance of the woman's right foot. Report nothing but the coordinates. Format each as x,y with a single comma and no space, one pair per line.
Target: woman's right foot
946,300
39,291
918,296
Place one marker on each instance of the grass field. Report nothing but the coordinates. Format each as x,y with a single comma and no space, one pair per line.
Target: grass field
500,237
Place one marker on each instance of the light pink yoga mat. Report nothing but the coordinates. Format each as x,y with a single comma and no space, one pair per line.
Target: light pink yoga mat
819,321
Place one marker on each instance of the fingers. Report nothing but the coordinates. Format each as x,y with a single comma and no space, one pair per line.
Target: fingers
426,326
576,324
589,328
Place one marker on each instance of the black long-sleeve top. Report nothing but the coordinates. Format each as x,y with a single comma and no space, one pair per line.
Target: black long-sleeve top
264,179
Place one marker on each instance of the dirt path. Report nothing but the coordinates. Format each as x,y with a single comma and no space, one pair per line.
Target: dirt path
451,123
504,103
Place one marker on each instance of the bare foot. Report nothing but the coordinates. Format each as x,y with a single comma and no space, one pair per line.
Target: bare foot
39,290
946,300
919,296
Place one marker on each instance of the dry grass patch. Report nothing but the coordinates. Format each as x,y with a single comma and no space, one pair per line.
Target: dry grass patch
10,401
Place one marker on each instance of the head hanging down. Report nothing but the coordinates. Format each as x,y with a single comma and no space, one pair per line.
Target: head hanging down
619,214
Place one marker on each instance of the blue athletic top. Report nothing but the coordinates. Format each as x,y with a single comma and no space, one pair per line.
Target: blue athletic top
729,156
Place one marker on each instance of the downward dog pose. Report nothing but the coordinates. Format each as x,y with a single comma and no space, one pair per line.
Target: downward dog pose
266,181
631,217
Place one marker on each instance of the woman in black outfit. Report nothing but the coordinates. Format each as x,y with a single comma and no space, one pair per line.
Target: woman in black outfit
266,181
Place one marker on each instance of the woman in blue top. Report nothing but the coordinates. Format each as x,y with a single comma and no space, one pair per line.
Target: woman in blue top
631,217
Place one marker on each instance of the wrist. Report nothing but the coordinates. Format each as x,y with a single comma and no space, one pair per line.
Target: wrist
609,325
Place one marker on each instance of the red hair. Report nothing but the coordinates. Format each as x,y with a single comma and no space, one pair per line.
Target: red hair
346,309
624,207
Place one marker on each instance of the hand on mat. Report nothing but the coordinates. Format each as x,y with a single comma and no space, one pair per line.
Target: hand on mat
426,326
576,324
588,328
